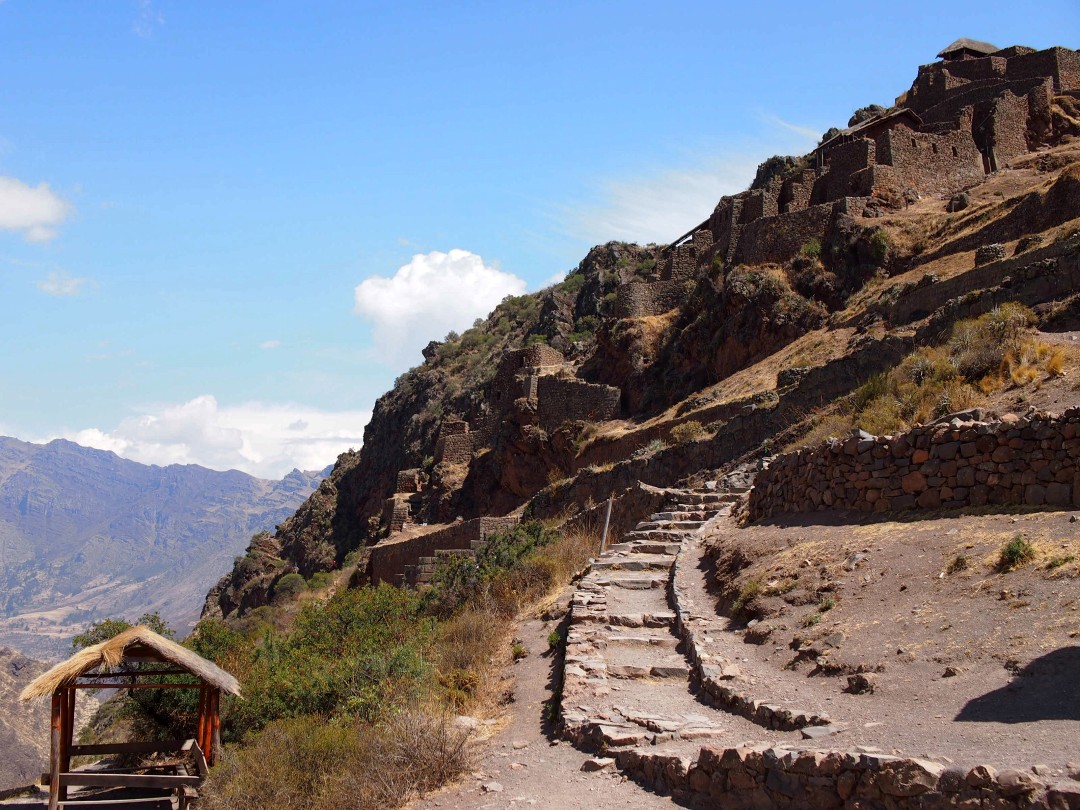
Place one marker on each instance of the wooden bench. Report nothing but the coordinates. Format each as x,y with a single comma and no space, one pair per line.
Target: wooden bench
181,784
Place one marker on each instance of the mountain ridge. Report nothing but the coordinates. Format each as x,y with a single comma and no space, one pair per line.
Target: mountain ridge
86,533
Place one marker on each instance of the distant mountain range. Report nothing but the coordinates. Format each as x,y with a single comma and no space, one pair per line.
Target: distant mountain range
85,534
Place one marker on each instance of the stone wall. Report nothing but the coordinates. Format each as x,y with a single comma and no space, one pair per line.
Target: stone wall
931,163
560,399
510,383
409,481
778,238
629,507
762,776
844,161
1022,460
389,561
1061,64
1031,278
641,298
795,192
457,448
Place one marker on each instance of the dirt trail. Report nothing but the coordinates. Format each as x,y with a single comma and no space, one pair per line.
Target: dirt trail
526,761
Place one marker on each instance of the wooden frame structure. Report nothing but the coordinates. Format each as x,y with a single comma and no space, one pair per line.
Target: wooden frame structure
96,667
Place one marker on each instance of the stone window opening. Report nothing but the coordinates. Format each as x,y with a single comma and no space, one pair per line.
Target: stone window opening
933,148
914,144
955,152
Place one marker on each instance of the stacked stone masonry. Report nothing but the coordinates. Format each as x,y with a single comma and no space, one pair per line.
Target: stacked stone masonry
761,776
560,399
1031,460
959,121
392,561
643,298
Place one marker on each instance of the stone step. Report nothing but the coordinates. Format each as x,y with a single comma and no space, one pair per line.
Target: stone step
645,548
680,514
700,498
672,525
650,562
660,618
655,534
640,583
628,638
646,670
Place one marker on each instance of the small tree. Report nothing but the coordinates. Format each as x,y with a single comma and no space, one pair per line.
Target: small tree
105,629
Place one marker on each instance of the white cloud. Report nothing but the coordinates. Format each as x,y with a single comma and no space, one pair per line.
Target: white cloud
60,283
270,344
808,134
264,439
36,211
147,19
431,295
656,207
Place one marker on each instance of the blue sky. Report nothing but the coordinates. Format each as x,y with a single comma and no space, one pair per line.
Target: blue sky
226,227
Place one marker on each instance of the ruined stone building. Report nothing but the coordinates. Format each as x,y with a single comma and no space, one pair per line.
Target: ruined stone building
965,116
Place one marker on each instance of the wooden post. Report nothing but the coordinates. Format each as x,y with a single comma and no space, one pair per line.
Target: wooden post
607,522
67,734
54,753
204,718
215,733
208,723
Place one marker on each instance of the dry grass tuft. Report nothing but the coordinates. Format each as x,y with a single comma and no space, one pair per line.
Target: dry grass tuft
309,762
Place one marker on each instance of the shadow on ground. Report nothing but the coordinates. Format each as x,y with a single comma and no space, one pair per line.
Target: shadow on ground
1046,689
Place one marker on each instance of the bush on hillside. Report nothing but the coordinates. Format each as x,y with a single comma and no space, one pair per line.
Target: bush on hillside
980,354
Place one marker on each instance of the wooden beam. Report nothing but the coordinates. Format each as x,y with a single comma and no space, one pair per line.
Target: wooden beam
200,760
128,780
54,753
147,803
67,733
152,747
137,673
215,727
200,733
135,686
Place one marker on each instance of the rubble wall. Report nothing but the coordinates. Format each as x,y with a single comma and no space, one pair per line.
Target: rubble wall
1027,460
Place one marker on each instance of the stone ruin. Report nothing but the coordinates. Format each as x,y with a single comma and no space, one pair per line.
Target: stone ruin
536,380
964,117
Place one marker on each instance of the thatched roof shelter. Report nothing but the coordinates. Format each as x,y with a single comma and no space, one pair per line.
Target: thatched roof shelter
152,660
965,48
136,645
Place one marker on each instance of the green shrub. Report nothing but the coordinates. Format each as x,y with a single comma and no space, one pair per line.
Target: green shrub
554,639
459,578
320,581
880,246
571,285
1015,553
812,249
289,587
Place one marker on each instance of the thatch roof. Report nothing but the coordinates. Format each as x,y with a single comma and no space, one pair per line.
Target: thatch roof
965,44
137,644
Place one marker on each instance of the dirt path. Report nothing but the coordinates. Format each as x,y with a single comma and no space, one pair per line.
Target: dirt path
968,672
525,763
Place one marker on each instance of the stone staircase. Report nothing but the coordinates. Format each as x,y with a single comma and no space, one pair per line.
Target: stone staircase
646,687
626,680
